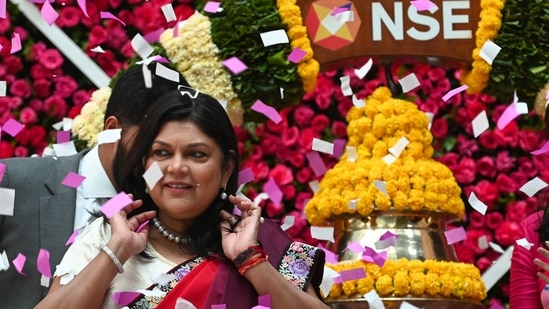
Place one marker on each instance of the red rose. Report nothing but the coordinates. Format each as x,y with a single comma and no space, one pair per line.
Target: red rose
38,137
51,59
472,239
497,112
15,102
127,17
297,159
464,172
270,144
486,167
436,73
304,175
74,111
493,220
541,161
505,184
260,170
55,107
483,264
4,106
65,86
301,200
476,220
450,159
5,25
466,146
439,128
288,191
282,175
6,150
20,88
108,63
20,151
507,233
150,17
117,36
69,16
127,50
274,210
5,42
13,63
257,153
474,108
487,192
290,136
42,87
36,104
519,178
94,18
344,106
37,50
98,36
184,11
306,138
508,136
430,106
488,140
443,86
23,136
28,115
465,253
527,167
320,123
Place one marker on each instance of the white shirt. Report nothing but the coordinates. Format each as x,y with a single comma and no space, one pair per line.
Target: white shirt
94,191
139,272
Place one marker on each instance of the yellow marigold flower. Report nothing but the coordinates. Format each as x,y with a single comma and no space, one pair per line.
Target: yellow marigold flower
418,283
384,285
401,283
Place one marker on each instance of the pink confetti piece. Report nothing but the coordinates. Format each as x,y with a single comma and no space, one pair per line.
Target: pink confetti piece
453,92
330,256
386,243
153,37
176,27
422,5
338,10
73,180
83,8
235,65
142,226
274,192
352,274
43,263
72,237
297,55
318,166
455,235
15,43
212,7
124,298
49,13
542,150
387,235
337,280
246,175
510,113
2,170
109,15
339,147
12,127
264,300
496,305
370,255
116,204
3,8
19,263
221,306
355,246
63,136
269,111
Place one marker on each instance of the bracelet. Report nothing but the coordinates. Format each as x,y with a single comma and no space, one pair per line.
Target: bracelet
251,257
113,257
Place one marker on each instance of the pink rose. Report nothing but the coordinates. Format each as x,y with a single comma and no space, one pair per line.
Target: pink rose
443,87
69,16
65,86
466,146
504,162
505,184
28,115
80,97
260,170
127,50
257,153
51,59
98,36
483,264
493,220
472,239
516,211
128,17
527,166
439,128
290,136
55,107
116,37
497,112
94,17
108,63
150,17
270,144
38,71
464,172
476,220
303,115
541,161
20,88
20,151
450,159
5,25
508,136
6,47
344,106
273,210
13,64
519,178
507,233
23,137
306,138
486,166
487,192
288,191
436,73
488,140
339,129
304,175
36,104
42,87
281,174
465,253
301,200
530,140
15,102
320,123
296,159
37,50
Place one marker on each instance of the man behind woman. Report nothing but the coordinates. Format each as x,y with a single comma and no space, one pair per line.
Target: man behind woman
211,256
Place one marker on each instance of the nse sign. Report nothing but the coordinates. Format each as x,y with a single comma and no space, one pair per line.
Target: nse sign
342,31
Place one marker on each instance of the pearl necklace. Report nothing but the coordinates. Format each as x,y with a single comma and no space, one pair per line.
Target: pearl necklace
164,232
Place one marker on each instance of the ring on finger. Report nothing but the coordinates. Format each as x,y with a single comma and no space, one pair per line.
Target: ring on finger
233,220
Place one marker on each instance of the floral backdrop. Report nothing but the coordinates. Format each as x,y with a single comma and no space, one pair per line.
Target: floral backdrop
44,87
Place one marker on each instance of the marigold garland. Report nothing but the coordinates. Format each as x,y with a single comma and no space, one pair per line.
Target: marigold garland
417,278
413,182
488,27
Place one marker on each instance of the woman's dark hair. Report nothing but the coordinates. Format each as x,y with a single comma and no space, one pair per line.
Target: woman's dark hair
210,117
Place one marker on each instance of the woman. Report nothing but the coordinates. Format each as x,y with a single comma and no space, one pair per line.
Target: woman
203,253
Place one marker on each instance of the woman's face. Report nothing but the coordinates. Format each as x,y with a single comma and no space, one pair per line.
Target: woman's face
192,165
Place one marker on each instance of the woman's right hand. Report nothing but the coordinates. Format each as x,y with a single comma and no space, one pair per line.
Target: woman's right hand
129,235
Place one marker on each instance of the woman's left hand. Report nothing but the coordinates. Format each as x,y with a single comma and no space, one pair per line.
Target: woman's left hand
236,238
541,264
